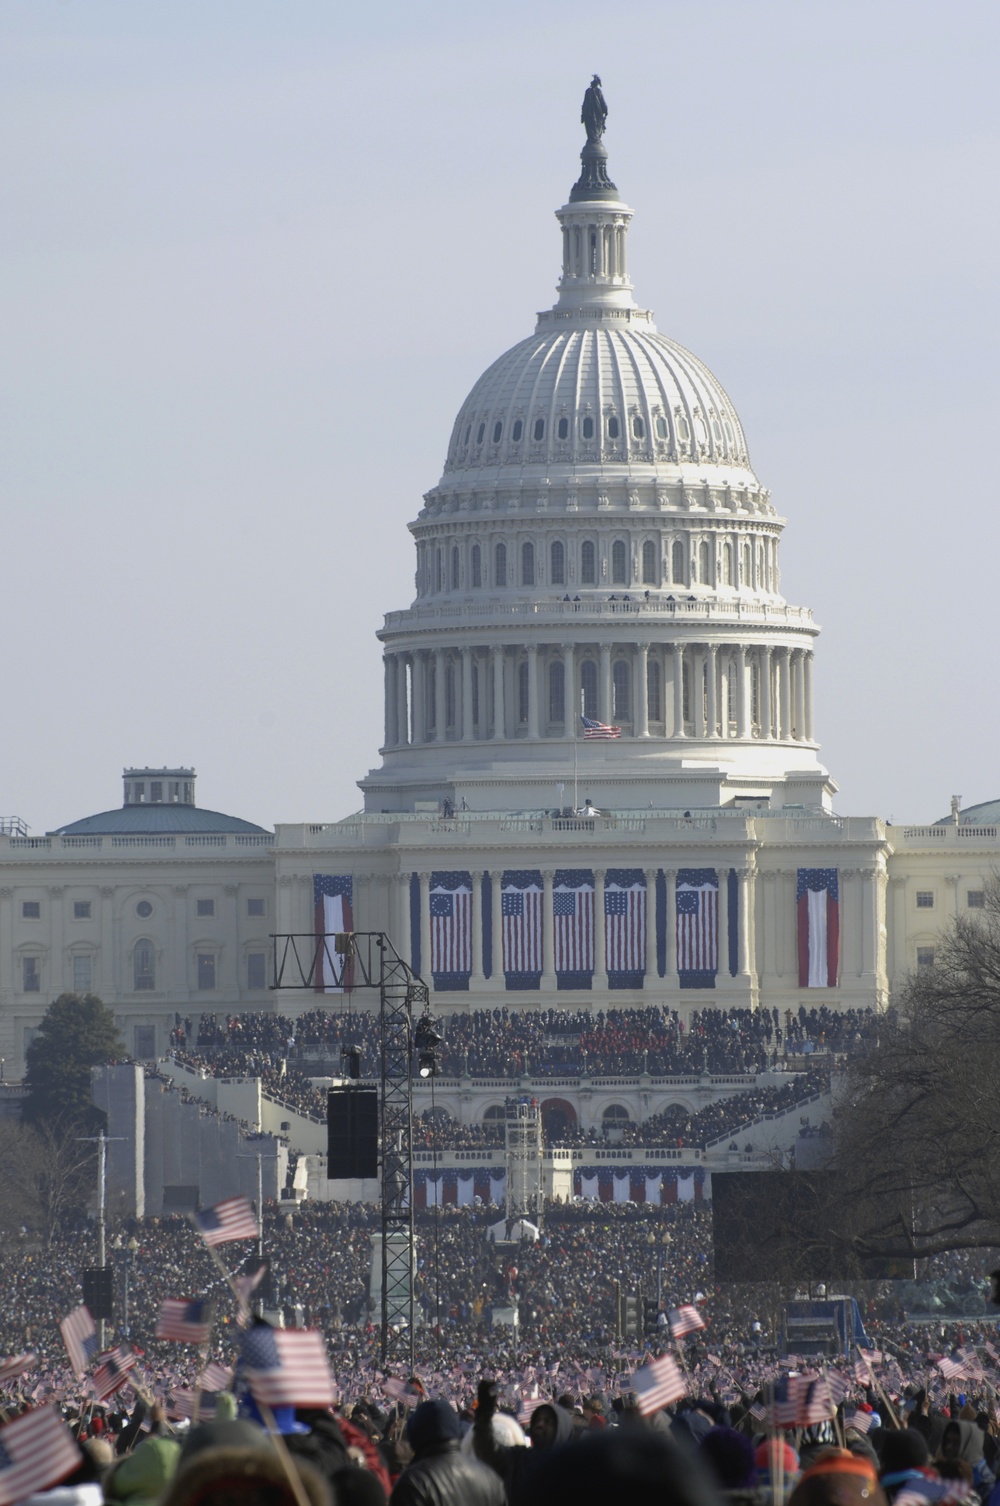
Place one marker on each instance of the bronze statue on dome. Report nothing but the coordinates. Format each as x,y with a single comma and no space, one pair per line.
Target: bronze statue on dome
595,110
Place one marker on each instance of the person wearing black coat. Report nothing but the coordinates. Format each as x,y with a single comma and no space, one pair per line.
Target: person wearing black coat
440,1474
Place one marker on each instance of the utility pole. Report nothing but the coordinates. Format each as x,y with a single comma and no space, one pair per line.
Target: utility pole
101,1140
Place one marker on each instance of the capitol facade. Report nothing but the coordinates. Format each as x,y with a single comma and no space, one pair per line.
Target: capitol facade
600,783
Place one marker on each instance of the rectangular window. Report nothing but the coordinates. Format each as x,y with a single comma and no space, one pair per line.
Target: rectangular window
206,971
925,956
145,1042
256,970
205,907
156,791
31,909
81,975
256,907
976,899
925,899
31,975
81,909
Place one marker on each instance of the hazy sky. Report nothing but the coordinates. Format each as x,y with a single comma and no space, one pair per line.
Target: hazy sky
255,254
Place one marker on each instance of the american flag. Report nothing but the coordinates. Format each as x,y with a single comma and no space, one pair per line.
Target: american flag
591,728
36,1451
954,1365
521,908
19,1365
182,1404
573,920
80,1338
860,1421
684,1320
215,1377
528,1405
232,1219
625,920
401,1390
451,924
333,895
658,1384
184,1320
287,1367
817,1404
818,908
112,1371
697,906
788,1401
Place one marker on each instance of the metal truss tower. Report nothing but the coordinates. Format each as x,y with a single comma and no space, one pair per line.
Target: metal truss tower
523,1157
367,960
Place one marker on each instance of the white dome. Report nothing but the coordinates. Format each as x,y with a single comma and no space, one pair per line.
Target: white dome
596,395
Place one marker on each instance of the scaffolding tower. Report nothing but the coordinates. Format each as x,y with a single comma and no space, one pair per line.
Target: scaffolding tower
523,1159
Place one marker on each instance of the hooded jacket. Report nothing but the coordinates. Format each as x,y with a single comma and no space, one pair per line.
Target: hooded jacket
441,1475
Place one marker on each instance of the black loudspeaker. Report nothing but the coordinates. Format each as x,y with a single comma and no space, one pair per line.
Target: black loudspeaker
99,1291
352,1132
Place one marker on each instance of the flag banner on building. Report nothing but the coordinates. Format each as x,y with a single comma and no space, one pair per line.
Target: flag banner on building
573,927
333,897
80,1338
287,1367
697,906
19,1364
684,1320
185,1321
112,1371
450,902
232,1219
818,903
658,1384
521,914
593,730
625,926
36,1451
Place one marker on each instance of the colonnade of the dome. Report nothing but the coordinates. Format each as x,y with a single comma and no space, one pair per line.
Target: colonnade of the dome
700,691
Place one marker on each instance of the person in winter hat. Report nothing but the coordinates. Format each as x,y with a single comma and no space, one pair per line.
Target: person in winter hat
440,1474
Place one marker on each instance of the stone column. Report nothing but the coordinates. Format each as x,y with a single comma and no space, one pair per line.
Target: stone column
499,717
402,721
642,692
399,890
725,977
723,683
807,694
698,690
868,923
532,693
765,693
670,976
897,889
798,707
679,691
742,696
419,697
604,705
468,730
440,714
712,687
652,971
746,923
389,696
600,949
477,980
548,981
425,927
571,701
784,696
496,908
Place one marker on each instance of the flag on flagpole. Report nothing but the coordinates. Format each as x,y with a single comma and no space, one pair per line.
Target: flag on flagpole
36,1451
79,1335
573,923
287,1367
333,895
658,1384
684,1320
233,1218
450,900
185,1321
112,1371
19,1365
595,729
817,900
215,1377
697,907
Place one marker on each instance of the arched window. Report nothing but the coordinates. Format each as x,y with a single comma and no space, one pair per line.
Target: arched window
143,966
455,571
649,563
522,691
677,562
449,694
747,568
587,428
438,570
588,563
654,691
588,686
662,432
621,682
527,564
613,427
563,430
517,431
497,431
638,428
468,431
557,692
477,565
479,433
557,564
619,576
500,574
539,429
727,564
704,563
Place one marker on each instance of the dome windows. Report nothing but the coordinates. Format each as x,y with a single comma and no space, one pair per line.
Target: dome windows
456,570
479,433
468,434
662,431
517,431
497,431
704,563
557,691
523,693
619,564
621,684
477,566
614,428
527,564
538,433
557,564
588,563
587,428
500,563
563,428
682,427
649,563
588,687
638,428
438,570
677,572
654,692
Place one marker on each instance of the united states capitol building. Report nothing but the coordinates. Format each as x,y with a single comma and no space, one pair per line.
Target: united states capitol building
600,784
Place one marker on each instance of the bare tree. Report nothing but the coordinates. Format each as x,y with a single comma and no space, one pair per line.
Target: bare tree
46,1175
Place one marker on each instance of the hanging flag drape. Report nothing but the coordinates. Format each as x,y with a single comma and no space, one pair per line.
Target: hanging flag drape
521,908
625,926
697,907
450,902
334,913
818,903
573,927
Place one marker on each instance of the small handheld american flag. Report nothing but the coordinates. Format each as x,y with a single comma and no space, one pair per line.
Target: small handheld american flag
684,1320
658,1384
185,1321
287,1367
232,1219
36,1451
80,1338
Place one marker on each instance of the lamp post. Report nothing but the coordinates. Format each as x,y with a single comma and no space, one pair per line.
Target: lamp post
124,1258
661,1246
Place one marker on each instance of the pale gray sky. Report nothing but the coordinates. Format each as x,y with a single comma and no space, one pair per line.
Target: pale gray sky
255,254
